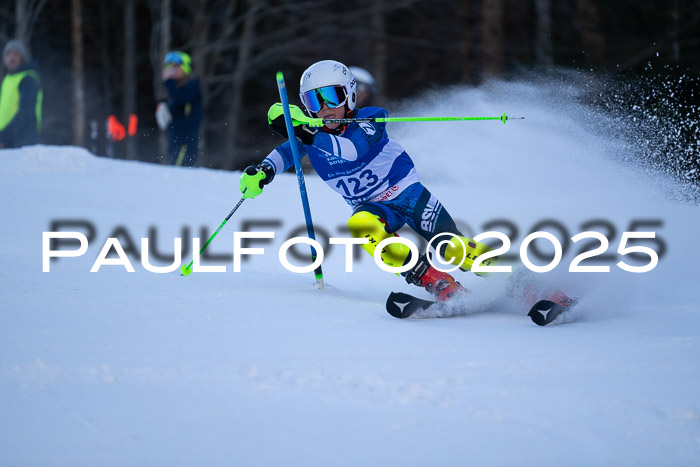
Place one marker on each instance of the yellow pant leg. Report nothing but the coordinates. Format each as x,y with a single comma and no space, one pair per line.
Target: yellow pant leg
457,255
367,225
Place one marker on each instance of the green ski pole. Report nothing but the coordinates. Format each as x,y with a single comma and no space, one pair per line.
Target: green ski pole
300,118
318,122
186,269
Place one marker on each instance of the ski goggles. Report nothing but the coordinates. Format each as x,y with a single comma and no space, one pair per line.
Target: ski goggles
332,96
180,59
173,58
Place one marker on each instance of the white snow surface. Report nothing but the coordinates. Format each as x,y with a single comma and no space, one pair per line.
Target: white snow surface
260,368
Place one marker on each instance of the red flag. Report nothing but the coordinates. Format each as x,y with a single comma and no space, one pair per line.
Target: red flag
133,124
115,129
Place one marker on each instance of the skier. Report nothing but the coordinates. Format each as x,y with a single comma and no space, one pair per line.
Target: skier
182,114
378,179
372,172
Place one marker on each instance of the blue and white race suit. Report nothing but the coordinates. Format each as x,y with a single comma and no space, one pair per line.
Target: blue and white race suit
362,163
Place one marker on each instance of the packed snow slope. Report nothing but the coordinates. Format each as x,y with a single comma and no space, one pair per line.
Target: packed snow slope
259,368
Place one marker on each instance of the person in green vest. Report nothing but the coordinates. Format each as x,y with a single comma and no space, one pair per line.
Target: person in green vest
20,98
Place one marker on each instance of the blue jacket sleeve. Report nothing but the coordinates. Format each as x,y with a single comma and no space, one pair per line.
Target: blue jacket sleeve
281,159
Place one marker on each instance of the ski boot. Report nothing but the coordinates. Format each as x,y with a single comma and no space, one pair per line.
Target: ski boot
440,284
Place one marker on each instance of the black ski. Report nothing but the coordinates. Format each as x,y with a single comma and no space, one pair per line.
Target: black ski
545,311
402,305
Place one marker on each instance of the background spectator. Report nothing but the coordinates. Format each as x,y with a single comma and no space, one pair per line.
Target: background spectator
182,115
366,86
20,98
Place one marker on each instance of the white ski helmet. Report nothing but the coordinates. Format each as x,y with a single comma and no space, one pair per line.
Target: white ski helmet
328,82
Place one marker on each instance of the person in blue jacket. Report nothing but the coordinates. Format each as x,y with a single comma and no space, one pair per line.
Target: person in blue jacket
372,172
182,115
20,98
